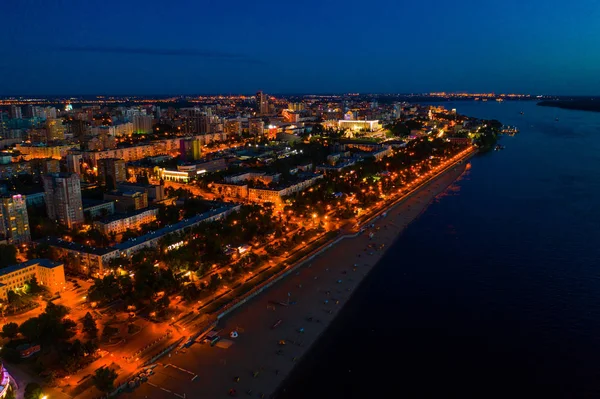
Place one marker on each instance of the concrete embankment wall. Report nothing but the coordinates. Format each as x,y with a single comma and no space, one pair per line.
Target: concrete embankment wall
256,291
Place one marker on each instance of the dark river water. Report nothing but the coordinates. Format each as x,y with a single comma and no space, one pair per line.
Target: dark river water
494,292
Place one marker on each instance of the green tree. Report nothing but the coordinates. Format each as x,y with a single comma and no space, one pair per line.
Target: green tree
33,391
89,326
33,286
30,329
10,330
214,283
104,379
90,347
162,303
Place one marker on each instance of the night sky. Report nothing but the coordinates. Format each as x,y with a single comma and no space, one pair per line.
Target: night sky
317,46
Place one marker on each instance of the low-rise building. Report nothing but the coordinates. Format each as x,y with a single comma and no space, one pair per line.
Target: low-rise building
118,224
127,154
33,151
187,172
258,176
155,192
382,153
127,201
93,209
49,274
359,125
240,191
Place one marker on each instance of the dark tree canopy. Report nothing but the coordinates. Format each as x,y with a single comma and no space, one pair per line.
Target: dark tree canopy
104,379
8,255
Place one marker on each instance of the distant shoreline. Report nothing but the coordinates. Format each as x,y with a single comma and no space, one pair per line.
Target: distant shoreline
578,105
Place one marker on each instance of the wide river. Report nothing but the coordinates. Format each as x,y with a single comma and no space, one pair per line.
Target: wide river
494,292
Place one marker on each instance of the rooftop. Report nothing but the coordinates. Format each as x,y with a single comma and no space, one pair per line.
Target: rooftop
112,218
47,263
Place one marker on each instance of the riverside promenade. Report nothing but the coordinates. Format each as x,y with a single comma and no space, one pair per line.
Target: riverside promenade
272,338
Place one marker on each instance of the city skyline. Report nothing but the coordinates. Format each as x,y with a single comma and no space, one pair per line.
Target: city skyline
282,48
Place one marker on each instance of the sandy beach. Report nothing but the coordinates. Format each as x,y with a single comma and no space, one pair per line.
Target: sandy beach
273,338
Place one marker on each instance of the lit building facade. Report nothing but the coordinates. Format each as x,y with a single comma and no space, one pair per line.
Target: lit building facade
128,201
142,124
49,274
14,221
74,163
41,151
118,224
63,198
262,103
55,130
358,125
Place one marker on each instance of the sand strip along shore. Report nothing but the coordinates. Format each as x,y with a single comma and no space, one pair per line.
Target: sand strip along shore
272,338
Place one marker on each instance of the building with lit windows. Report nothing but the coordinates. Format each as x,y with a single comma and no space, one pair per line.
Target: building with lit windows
127,201
124,129
242,191
256,127
55,130
358,125
49,274
142,124
262,103
190,149
127,154
118,224
74,163
30,151
14,221
63,198
233,127
111,171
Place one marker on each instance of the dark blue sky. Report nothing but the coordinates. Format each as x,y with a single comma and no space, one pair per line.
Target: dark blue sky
219,46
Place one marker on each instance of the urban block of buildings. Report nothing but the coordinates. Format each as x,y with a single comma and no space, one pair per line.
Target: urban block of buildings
93,261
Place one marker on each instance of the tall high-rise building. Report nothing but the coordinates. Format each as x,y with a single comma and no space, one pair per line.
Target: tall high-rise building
190,149
123,129
3,128
197,121
111,171
79,128
51,166
398,110
28,111
50,112
142,124
256,127
14,221
55,130
262,103
14,112
233,127
74,163
63,198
